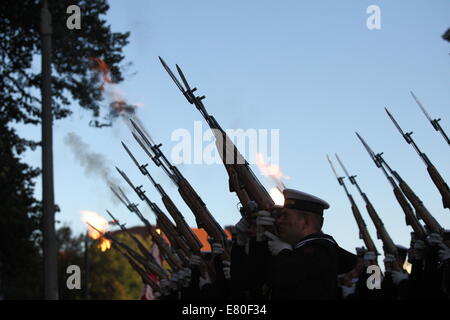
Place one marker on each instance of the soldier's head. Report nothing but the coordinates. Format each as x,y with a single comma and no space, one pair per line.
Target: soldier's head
300,216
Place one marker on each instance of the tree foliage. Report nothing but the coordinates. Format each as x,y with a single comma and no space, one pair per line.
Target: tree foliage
72,83
109,275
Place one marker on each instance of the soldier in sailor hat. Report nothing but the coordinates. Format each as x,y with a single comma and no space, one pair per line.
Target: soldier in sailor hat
305,262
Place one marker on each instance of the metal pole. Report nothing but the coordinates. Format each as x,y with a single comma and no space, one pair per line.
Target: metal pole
48,217
86,266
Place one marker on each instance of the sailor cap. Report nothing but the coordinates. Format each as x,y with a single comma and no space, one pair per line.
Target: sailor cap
294,199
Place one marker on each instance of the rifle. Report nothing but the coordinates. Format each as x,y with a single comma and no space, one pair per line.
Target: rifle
382,234
173,260
150,264
363,232
166,225
435,122
139,244
146,279
421,211
435,176
182,226
203,216
242,180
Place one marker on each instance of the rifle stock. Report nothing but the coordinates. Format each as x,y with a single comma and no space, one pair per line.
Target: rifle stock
441,185
146,279
152,267
172,260
388,244
363,228
421,210
410,218
191,239
203,215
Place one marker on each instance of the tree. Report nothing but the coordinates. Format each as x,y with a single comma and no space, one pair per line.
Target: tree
111,277
72,82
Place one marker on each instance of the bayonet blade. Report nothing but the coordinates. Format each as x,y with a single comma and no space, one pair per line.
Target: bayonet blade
141,133
115,221
128,202
375,157
118,196
123,174
371,153
143,146
342,165
421,107
396,124
102,234
131,155
183,78
332,167
172,75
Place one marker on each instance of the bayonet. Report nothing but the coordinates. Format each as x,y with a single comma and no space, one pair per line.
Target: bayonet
364,233
434,122
407,136
421,210
434,174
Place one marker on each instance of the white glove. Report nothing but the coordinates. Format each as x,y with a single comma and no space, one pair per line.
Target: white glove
174,281
398,276
185,275
263,219
388,260
275,244
434,239
157,295
242,228
204,280
226,269
444,252
217,249
164,285
346,291
195,260
369,258
186,272
181,275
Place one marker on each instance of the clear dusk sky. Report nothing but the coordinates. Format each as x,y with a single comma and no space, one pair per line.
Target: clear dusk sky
311,69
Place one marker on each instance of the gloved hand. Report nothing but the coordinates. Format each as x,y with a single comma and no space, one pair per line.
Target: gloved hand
185,282
185,277
157,294
419,250
195,260
263,219
174,281
389,259
187,272
275,244
204,280
226,269
444,252
434,239
369,258
242,228
346,291
398,276
164,285
217,249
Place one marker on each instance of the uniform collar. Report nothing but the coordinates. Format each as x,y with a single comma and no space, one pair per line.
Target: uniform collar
313,237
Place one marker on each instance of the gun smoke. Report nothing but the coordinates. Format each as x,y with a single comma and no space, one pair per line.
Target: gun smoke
94,164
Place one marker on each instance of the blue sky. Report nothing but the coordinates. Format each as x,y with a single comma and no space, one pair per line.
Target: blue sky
309,68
